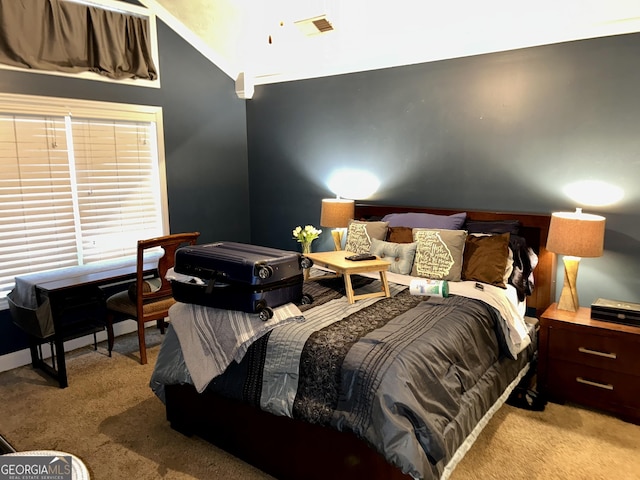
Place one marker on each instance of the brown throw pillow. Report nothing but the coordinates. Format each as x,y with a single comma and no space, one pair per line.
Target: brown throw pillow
486,258
400,235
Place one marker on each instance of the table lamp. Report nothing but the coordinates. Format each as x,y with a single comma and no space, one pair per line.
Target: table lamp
574,235
336,213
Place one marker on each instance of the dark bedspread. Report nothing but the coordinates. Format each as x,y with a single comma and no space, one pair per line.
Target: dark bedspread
410,375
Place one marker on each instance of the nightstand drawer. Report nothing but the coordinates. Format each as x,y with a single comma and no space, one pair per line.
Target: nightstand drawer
595,387
604,352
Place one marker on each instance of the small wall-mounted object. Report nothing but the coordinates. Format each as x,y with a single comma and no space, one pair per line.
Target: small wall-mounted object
244,86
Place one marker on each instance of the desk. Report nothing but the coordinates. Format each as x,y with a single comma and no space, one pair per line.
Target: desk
64,290
336,261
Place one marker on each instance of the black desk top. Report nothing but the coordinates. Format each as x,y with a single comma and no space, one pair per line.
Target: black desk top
99,273
101,277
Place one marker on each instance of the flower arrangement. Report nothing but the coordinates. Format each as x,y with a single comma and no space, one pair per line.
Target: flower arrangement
305,236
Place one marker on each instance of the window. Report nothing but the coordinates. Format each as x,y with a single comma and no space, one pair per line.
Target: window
80,182
31,19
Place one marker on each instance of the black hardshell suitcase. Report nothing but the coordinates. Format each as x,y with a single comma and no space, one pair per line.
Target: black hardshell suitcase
240,276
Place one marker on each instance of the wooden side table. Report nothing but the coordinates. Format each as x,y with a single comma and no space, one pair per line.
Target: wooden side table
337,262
590,362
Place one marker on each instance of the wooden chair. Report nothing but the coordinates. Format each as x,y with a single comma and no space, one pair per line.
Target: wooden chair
141,301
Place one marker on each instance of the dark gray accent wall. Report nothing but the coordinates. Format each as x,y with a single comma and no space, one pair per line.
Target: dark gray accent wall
205,142
503,131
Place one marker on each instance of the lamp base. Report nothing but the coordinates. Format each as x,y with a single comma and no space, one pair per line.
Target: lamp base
337,238
569,296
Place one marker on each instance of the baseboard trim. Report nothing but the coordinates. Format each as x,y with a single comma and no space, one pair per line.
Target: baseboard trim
23,357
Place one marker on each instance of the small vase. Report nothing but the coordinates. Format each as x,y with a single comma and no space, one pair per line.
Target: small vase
306,248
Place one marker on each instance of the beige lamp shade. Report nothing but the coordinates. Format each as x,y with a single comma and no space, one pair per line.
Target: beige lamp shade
336,212
574,235
577,234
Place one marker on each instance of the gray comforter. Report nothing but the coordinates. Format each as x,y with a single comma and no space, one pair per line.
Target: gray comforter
412,376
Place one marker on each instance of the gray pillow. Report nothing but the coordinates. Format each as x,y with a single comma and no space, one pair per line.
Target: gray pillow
360,234
399,254
439,254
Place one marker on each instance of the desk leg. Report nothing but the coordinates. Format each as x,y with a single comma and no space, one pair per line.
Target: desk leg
58,367
348,287
59,371
35,356
62,365
385,284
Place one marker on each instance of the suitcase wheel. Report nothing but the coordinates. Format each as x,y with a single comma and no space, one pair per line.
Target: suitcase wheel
264,271
306,262
306,299
265,314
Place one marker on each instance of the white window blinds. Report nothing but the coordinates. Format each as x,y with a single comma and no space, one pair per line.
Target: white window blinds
36,208
75,189
117,186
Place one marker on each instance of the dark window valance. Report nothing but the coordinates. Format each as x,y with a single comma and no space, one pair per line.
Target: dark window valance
57,35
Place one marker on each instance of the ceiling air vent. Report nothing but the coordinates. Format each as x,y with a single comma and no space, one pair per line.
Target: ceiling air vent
315,25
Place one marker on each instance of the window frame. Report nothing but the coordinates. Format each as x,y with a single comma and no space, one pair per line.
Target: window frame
40,105
117,6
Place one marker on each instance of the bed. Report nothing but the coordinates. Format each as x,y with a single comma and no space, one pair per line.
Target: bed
391,388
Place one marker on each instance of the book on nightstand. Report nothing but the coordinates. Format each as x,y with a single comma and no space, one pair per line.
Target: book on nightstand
616,311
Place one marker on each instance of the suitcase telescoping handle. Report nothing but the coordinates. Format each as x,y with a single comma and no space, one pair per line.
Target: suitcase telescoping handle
211,284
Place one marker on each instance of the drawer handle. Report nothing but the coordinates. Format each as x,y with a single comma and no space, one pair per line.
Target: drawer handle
606,386
595,352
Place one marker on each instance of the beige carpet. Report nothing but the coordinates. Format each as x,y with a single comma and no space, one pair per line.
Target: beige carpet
109,418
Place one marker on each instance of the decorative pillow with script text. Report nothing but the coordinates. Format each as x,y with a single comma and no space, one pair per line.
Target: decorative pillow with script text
360,234
439,254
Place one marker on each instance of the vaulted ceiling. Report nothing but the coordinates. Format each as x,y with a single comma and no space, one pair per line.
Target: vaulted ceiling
277,40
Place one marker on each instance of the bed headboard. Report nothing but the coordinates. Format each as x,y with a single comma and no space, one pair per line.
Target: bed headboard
534,228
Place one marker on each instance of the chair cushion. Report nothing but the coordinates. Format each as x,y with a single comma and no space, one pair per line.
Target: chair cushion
121,302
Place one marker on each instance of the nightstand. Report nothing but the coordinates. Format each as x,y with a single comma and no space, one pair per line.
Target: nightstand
589,362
